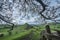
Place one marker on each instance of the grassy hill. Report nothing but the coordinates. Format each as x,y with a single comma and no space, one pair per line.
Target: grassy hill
20,33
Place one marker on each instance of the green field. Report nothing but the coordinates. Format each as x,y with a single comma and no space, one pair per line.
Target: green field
20,32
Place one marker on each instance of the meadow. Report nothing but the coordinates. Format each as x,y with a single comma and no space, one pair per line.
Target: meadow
21,33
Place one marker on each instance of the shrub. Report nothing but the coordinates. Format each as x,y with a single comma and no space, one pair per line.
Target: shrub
1,35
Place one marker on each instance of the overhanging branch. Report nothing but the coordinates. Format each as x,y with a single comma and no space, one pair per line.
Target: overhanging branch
44,8
4,19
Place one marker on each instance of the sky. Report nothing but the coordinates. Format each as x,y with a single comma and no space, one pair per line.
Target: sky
20,18
31,20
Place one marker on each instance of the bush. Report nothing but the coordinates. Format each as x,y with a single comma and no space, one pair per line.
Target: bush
1,35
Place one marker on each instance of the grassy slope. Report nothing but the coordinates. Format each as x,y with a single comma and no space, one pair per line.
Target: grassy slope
15,36
21,32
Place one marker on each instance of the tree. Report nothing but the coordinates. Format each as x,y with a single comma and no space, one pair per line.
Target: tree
7,17
41,7
47,12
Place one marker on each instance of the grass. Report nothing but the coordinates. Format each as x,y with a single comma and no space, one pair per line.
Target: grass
11,37
21,32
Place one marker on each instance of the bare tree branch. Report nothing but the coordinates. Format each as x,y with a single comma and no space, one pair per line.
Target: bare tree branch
44,8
